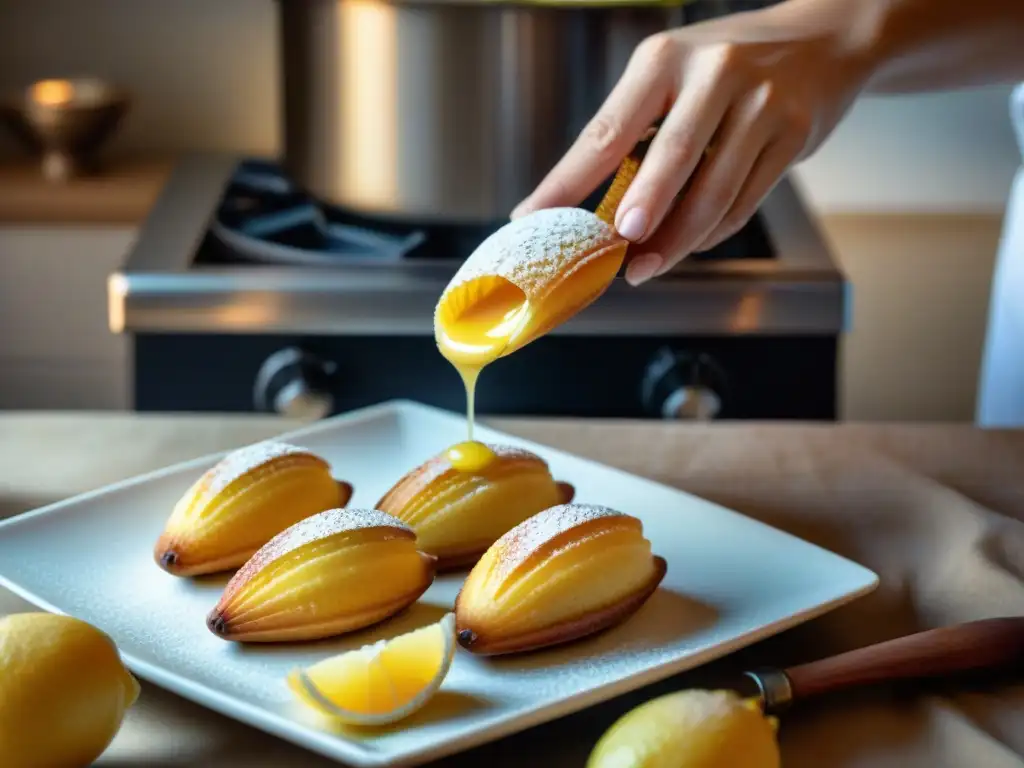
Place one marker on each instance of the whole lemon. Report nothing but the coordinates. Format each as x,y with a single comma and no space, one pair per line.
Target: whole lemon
690,729
63,691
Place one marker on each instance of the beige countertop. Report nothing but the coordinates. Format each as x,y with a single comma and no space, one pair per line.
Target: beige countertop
122,194
937,511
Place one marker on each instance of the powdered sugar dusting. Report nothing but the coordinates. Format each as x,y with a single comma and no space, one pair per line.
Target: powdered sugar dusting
514,452
530,535
530,251
321,525
243,461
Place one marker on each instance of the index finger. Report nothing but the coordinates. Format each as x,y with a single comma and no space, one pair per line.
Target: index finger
640,97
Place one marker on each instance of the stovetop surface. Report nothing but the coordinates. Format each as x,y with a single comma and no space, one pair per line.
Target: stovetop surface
231,247
263,218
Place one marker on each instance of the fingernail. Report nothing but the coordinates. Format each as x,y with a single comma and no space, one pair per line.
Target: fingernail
633,224
521,210
642,268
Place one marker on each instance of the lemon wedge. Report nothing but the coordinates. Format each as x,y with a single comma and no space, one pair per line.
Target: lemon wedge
380,683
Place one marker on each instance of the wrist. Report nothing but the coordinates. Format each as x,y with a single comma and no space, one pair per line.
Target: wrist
856,34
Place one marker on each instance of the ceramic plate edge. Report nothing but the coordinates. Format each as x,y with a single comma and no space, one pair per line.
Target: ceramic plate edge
542,448
352,417
396,406
229,706
307,737
605,693
300,735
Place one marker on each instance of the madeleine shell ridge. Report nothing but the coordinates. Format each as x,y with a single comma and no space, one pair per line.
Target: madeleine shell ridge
458,514
335,572
240,503
567,572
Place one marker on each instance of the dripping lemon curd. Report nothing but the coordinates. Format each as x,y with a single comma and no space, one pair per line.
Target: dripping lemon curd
530,276
473,329
470,456
490,316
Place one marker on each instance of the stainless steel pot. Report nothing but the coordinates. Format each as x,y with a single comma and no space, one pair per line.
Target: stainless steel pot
447,111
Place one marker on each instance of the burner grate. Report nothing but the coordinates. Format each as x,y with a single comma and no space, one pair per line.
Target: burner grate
265,219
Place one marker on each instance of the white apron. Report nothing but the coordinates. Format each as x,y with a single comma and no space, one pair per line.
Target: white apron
1001,384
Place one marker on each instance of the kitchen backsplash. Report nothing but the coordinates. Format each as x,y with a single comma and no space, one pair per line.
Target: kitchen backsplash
205,77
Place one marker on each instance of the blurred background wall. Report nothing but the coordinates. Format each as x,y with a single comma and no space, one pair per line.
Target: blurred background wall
911,189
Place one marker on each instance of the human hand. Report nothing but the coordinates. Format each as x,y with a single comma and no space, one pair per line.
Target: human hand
745,95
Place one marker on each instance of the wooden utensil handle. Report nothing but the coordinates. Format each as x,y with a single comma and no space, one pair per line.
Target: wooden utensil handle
989,644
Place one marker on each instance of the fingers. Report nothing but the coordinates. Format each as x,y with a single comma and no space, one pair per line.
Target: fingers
637,100
765,174
676,150
718,182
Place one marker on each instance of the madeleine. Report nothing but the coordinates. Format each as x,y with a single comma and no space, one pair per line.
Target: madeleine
565,573
336,572
458,514
239,504
528,277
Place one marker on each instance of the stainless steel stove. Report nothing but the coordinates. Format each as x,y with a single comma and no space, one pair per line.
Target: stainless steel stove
242,294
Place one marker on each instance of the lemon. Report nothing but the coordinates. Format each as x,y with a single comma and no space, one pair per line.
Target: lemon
63,691
690,729
383,682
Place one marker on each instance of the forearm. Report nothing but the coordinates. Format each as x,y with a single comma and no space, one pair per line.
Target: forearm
924,45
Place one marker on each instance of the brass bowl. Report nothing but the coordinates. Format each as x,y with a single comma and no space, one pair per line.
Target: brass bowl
67,122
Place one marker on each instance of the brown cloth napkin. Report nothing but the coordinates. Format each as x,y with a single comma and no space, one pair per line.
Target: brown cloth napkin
936,511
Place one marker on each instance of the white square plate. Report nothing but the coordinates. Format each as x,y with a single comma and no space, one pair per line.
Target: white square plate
731,581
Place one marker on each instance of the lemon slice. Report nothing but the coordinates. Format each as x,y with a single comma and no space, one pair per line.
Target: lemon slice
383,682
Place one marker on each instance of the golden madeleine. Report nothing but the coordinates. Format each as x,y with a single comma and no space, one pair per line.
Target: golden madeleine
526,278
533,274
239,504
457,514
567,572
335,572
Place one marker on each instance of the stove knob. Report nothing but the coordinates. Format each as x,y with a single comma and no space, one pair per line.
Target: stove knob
294,383
682,386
